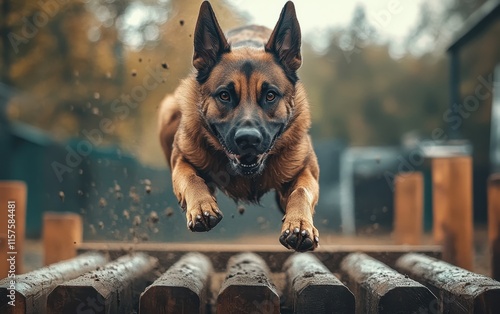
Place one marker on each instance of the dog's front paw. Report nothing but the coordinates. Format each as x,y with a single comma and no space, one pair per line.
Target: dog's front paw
203,215
299,234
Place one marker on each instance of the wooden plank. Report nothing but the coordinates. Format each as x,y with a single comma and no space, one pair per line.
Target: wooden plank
12,226
380,289
274,255
440,200
452,208
32,289
458,290
182,289
408,208
494,223
247,287
107,290
312,288
62,233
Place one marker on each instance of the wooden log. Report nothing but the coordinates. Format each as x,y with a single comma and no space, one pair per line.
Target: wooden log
380,289
62,233
452,208
312,288
12,226
494,223
408,208
182,289
247,287
107,290
31,289
458,290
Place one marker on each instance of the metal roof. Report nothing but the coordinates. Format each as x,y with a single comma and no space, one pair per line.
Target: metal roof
476,23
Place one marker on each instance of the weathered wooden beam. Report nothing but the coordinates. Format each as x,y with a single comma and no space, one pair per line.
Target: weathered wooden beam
31,289
494,223
110,289
247,287
62,233
312,288
408,208
182,289
458,290
380,289
274,255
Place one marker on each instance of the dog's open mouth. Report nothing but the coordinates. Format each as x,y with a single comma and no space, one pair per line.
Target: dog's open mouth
248,164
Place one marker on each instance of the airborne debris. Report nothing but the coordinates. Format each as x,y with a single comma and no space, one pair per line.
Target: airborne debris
133,195
169,212
153,217
92,229
102,202
137,220
241,209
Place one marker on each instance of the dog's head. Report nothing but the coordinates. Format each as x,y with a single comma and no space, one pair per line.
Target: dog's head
247,92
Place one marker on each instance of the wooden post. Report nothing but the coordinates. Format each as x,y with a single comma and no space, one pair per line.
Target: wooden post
452,208
408,208
312,288
12,226
458,290
31,289
184,288
62,233
380,289
111,289
248,287
494,223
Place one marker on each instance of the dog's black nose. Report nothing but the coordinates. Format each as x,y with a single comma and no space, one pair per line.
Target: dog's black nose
247,138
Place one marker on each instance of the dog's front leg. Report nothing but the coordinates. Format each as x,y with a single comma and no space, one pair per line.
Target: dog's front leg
194,196
298,231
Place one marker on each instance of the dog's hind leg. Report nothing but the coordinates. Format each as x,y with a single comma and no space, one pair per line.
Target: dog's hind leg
169,118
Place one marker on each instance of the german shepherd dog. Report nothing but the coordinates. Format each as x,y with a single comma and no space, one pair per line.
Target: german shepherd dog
240,124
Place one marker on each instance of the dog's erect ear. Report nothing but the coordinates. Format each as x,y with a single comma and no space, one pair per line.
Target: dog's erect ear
209,41
284,42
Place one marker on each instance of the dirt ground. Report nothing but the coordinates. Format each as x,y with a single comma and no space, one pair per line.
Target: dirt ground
33,257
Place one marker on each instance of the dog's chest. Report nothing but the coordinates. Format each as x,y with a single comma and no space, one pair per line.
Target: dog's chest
241,188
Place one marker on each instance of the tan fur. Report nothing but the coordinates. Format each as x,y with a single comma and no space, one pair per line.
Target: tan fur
197,159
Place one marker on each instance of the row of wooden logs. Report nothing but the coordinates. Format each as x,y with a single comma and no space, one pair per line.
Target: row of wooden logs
89,283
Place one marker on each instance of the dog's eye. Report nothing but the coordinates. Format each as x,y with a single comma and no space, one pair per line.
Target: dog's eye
270,96
224,96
